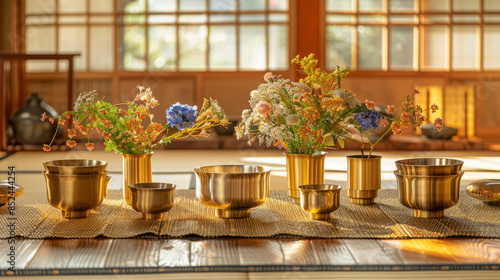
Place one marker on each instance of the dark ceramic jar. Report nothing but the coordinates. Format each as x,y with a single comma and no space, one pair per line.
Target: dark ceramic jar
26,124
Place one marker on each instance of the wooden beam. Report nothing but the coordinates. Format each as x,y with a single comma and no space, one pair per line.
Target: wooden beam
307,25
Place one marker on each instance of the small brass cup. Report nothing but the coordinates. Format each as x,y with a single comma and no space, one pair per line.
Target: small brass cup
76,195
152,199
320,200
429,166
428,196
75,166
233,190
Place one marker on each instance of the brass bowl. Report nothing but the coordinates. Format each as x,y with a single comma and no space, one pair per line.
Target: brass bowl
75,166
487,190
232,189
429,166
76,195
428,196
7,191
152,199
320,200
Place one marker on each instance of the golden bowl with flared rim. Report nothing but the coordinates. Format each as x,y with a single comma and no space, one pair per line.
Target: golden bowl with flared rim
429,166
75,166
233,190
76,195
152,199
428,196
320,200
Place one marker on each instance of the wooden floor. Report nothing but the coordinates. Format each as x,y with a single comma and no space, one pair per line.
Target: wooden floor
249,258
146,255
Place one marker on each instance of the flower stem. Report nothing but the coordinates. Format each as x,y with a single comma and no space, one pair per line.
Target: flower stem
374,144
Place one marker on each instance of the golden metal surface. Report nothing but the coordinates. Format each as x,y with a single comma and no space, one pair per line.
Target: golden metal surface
429,166
76,195
320,200
303,170
152,199
75,166
136,169
232,189
428,196
363,178
487,190
7,190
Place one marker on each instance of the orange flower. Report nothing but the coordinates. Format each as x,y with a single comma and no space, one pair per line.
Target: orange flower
397,128
434,108
51,120
384,122
71,143
46,148
106,135
415,91
71,133
133,123
68,115
62,121
90,146
390,109
312,113
44,116
369,104
438,124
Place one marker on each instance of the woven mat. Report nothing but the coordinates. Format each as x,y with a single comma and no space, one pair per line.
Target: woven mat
35,218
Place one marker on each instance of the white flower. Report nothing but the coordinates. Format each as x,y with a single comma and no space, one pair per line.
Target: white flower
253,93
350,100
246,113
292,119
280,109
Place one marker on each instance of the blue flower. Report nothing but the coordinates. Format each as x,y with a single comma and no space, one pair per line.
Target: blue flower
182,116
369,119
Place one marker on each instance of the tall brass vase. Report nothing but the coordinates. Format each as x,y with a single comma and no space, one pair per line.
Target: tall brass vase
303,170
136,169
363,178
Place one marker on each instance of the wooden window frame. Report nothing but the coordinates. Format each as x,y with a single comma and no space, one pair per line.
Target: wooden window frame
418,48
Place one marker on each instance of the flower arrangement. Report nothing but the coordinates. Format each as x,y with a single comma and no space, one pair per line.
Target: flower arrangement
302,117
403,115
121,125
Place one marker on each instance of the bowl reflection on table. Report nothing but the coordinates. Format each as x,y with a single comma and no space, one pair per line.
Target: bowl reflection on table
232,189
320,200
428,196
429,166
9,190
76,195
486,190
75,166
152,199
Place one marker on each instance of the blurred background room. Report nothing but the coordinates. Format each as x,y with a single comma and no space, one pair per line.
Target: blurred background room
186,50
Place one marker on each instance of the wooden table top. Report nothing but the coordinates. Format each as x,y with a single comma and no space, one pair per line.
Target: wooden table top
250,258
252,255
